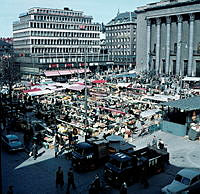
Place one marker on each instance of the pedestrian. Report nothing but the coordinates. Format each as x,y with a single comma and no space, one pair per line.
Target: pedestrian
97,183
10,190
154,141
161,144
26,139
59,177
34,151
143,178
56,149
123,189
70,180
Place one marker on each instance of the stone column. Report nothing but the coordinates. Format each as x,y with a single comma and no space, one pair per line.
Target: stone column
158,22
167,67
191,39
148,44
178,53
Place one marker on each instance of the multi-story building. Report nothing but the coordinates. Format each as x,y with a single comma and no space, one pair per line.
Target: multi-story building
6,46
54,38
168,39
121,40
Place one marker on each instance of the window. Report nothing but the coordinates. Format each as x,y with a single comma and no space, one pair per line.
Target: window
194,180
178,178
198,48
154,48
175,47
185,181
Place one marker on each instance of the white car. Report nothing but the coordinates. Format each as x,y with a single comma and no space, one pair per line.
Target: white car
185,181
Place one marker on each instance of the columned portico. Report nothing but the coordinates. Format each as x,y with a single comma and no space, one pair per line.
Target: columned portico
158,22
191,39
179,36
167,67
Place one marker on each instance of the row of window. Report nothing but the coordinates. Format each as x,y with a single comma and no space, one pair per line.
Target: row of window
123,53
63,42
121,34
64,50
55,42
64,26
62,19
120,40
118,27
20,26
119,46
65,34
117,59
53,11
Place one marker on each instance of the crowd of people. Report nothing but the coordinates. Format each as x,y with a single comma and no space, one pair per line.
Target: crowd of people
107,109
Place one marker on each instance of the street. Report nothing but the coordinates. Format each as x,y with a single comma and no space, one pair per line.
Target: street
38,176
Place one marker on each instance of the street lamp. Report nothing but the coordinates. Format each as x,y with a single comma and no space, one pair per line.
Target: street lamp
85,80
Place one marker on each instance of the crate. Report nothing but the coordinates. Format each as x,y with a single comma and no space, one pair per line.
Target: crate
51,146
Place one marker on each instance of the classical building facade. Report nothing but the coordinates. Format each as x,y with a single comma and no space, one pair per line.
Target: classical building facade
168,37
121,39
46,38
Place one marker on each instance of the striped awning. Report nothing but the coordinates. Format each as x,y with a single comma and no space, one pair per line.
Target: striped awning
65,72
51,73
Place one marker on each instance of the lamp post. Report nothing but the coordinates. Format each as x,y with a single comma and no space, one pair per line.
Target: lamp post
1,116
85,80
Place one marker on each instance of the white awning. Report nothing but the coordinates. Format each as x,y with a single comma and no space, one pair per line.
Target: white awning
192,79
149,113
125,85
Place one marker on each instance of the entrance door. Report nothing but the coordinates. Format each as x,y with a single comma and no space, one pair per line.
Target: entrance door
185,67
198,68
174,67
164,65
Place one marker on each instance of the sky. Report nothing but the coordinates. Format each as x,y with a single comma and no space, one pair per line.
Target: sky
100,10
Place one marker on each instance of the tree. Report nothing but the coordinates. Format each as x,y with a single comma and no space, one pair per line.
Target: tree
9,74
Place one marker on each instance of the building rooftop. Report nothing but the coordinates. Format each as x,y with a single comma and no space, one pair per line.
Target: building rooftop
121,18
164,4
188,104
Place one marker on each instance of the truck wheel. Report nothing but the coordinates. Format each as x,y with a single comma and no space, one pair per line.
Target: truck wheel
92,166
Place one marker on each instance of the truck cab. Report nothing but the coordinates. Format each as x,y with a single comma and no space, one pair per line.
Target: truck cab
87,155
120,168
127,166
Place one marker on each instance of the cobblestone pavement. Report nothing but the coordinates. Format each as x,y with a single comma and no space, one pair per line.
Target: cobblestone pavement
29,176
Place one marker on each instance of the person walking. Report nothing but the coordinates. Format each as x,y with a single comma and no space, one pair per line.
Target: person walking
124,189
161,144
59,177
26,140
154,141
34,151
56,149
97,184
143,178
10,190
70,180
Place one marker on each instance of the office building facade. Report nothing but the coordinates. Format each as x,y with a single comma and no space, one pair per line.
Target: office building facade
168,40
54,38
121,40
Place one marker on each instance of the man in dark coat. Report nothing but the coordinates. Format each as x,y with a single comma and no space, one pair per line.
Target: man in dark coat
70,180
59,177
123,189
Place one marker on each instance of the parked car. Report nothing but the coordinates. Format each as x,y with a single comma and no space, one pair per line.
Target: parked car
12,143
185,181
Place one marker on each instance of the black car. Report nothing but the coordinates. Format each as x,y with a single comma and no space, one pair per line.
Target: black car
12,143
